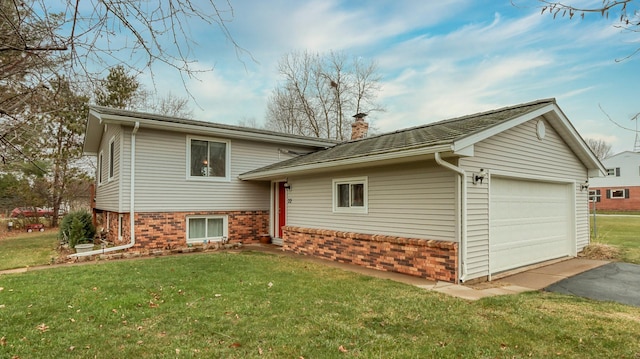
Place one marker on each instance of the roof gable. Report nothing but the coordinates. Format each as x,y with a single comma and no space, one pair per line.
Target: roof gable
452,136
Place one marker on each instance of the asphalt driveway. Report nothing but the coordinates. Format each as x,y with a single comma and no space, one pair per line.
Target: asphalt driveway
616,282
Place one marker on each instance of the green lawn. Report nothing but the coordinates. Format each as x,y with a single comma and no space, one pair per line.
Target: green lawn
622,232
28,249
253,305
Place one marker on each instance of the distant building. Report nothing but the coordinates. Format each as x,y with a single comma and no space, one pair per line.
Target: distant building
620,189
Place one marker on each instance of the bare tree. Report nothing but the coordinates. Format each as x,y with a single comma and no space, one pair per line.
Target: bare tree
169,105
42,39
320,92
626,12
600,148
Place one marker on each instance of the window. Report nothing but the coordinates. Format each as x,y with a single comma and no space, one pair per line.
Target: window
100,157
594,195
350,195
618,193
208,159
120,226
112,153
208,228
613,171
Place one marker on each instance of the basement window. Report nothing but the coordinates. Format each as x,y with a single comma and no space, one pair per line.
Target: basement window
350,195
206,228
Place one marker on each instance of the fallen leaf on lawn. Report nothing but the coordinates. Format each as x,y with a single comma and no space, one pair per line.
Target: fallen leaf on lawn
259,350
1,289
235,345
70,306
139,327
3,341
94,288
177,351
71,348
270,285
72,320
2,306
30,305
503,346
139,342
114,310
42,327
152,304
342,349
218,295
180,291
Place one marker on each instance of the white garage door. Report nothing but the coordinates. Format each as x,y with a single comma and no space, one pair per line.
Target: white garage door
530,222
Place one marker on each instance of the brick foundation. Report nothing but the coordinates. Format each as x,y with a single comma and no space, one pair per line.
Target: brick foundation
617,204
167,230
433,260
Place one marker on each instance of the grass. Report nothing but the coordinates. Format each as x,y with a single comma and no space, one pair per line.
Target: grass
28,249
622,232
252,305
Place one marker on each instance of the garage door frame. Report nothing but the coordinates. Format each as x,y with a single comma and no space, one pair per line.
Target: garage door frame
572,227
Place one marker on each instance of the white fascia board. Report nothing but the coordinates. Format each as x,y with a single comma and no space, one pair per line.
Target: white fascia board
354,161
92,134
222,132
483,135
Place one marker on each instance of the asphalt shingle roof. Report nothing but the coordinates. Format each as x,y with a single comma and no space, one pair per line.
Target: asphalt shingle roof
433,134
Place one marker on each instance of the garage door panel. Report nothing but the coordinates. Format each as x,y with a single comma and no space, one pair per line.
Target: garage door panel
529,222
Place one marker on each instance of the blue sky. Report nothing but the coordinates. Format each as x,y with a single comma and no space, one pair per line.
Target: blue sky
438,59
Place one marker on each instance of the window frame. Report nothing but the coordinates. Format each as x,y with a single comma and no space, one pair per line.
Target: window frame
206,238
111,169
100,170
364,209
613,172
227,144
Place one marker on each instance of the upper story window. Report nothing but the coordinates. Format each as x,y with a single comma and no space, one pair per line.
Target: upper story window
208,159
350,195
613,171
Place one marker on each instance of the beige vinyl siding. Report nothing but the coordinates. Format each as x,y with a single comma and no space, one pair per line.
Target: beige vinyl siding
162,183
414,200
519,152
108,191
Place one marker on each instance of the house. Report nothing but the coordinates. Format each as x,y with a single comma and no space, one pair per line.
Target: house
620,189
457,200
163,182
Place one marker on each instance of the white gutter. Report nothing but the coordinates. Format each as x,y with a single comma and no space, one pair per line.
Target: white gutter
462,215
131,207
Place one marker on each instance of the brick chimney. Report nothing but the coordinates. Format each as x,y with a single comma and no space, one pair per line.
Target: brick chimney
359,128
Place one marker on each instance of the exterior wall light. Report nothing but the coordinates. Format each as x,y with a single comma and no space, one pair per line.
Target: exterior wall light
480,176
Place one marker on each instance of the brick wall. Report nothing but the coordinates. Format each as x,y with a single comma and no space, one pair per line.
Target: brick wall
166,230
434,260
617,204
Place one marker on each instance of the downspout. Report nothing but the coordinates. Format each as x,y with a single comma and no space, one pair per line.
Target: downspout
131,205
463,212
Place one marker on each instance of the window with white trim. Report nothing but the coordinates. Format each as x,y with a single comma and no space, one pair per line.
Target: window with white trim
206,228
100,161
112,153
120,226
350,195
613,171
618,193
207,159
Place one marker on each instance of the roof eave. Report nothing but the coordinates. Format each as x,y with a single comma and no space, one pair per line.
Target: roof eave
217,131
408,155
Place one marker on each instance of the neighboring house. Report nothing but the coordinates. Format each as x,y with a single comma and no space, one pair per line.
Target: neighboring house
620,189
455,200
163,182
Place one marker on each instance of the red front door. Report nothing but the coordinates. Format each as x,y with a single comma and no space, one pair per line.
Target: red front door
281,208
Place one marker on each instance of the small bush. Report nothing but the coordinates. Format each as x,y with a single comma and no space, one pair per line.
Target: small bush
75,227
